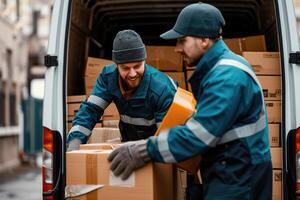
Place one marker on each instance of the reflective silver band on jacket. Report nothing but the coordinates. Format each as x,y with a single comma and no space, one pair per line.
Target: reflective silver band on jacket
80,129
98,101
137,121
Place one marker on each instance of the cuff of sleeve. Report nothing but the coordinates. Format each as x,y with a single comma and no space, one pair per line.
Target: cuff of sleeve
142,149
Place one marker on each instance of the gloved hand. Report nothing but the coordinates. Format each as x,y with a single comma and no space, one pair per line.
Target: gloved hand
128,157
73,145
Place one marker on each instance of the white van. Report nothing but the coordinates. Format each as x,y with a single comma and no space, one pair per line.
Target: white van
86,28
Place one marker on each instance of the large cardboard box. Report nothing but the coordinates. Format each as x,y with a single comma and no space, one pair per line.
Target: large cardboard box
264,63
93,68
274,135
271,86
276,154
277,185
179,77
151,182
274,111
252,43
100,135
183,107
73,103
164,58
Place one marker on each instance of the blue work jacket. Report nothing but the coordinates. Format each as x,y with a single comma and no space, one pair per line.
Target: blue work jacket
229,128
139,116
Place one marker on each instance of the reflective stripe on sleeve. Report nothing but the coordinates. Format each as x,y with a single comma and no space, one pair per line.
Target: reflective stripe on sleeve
137,121
98,101
244,131
164,148
81,129
173,83
201,133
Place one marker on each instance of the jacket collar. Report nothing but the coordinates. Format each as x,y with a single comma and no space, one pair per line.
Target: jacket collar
142,89
206,63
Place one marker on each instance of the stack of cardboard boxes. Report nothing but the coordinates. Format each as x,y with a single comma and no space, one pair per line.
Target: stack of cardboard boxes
147,182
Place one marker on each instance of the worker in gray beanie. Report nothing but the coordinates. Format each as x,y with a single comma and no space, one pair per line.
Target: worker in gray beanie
142,94
229,128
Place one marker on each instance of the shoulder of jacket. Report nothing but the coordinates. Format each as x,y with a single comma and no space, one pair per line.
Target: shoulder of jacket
108,69
160,82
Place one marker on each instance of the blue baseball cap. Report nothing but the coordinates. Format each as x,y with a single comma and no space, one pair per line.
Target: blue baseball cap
199,20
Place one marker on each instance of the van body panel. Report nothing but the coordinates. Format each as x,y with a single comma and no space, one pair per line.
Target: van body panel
290,72
54,77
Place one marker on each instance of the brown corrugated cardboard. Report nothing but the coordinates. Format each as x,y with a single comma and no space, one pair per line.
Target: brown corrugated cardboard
274,136
264,63
111,113
252,43
76,98
111,123
147,183
276,154
164,58
271,87
277,185
179,77
274,111
93,68
73,108
100,135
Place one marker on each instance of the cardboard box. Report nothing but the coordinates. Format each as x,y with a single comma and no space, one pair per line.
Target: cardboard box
151,182
164,58
111,123
252,43
264,63
276,154
73,108
277,185
75,98
100,135
111,113
183,107
271,87
274,135
274,111
179,77
93,68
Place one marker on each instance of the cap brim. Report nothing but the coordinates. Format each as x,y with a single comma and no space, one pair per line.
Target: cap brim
171,34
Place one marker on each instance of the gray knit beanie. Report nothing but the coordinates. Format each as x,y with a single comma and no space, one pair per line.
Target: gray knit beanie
128,47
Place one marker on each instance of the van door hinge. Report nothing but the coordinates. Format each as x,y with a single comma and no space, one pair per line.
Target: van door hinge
50,61
294,57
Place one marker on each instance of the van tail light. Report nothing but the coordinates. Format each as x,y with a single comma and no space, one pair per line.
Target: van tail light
297,152
51,167
47,167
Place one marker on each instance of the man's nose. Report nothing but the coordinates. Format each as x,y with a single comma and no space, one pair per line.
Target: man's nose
132,73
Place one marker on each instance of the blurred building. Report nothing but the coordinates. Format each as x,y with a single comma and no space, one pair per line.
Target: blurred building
24,27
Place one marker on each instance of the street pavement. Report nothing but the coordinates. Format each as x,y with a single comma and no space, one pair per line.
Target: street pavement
21,183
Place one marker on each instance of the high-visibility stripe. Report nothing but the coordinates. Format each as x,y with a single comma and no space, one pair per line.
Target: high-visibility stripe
81,129
244,131
137,121
200,132
173,83
164,148
98,101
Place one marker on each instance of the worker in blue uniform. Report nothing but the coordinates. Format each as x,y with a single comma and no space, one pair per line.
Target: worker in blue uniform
142,94
229,128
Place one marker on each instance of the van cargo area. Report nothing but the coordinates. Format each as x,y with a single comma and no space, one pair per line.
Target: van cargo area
252,30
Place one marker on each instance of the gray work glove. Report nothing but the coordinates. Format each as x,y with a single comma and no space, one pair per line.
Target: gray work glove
128,157
73,145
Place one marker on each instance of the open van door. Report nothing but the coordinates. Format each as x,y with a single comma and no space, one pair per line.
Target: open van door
53,122
290,57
